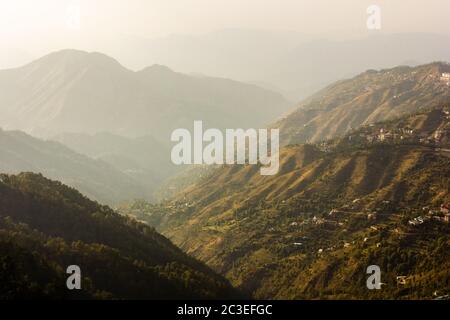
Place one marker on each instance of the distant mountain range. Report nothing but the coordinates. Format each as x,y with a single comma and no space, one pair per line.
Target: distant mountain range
79,92
93,105
293,62
136,167
334,208
46,226
103,182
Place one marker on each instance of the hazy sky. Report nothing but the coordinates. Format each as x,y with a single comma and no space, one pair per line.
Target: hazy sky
39,26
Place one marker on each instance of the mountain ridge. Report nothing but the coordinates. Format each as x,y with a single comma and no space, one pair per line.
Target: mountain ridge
79,92
369,97
95,178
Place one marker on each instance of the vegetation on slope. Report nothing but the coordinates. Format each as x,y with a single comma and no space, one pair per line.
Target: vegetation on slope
46,226
370,97
96,179
312,230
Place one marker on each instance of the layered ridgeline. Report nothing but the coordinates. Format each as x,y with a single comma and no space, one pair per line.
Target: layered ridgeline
98,108
349,104
296,63
46,226
370,97
79,92
97,179
371,198
143,159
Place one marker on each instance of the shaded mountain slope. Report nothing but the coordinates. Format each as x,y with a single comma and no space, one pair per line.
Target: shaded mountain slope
95,178
46,226
144,159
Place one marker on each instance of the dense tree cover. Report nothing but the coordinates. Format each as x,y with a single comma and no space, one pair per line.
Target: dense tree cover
46,226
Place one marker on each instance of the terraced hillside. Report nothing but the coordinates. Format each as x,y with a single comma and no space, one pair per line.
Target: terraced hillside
334,209
371,97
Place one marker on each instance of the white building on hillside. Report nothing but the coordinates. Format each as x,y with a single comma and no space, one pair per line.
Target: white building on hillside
445,77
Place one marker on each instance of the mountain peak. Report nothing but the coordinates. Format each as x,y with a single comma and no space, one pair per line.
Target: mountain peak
157,68
77,57
439,66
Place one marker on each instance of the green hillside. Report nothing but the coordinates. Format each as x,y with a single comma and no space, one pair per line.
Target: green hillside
334,209
46,226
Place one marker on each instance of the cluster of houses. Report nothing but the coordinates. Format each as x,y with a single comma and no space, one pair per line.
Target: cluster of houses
408,134
353,209
315,220
418,220
397,135
443,215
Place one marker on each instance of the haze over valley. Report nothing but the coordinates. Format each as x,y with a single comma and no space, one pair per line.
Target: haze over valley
91,94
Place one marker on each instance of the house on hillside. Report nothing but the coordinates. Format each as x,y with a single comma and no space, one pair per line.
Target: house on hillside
401,280
385,135
445,208
438,134
333,212
447,218
417,221
445,77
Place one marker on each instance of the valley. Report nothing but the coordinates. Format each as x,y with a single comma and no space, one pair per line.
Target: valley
362,179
